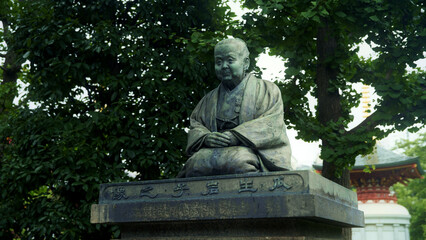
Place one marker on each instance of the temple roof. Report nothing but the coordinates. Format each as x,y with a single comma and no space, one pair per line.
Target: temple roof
383,158
386,169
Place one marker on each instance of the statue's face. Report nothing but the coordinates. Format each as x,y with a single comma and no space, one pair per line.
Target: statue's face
230,64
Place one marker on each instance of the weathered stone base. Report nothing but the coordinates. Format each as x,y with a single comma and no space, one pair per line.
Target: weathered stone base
230,229
277,205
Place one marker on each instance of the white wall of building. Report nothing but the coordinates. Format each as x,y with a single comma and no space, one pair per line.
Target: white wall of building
383,221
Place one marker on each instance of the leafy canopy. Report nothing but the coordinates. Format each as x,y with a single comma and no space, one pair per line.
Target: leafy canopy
319,42
113,83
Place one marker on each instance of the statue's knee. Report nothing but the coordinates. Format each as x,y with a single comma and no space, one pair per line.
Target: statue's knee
198,165
247,166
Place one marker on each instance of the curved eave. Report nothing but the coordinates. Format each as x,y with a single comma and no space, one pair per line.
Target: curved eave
412,163
397,164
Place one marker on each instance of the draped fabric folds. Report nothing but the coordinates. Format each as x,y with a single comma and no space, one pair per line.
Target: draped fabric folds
261,128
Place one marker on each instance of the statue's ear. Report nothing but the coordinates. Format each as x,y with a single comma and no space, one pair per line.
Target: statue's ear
246,63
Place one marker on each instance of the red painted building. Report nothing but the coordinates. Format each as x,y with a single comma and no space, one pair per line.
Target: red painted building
384,217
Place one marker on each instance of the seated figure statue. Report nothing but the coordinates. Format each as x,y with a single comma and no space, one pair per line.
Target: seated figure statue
239,126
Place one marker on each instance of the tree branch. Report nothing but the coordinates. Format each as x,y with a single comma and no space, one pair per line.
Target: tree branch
2,55
369,124
4,69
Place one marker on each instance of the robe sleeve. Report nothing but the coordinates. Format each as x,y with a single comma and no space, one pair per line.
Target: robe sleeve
267,130
197,129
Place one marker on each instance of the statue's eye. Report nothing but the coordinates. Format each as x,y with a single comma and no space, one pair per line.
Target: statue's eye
218,62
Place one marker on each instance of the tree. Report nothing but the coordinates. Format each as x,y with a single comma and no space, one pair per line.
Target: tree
413,195
10,65
113,83
318,40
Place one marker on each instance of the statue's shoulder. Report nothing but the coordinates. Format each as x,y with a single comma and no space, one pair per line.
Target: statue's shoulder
213,91
268,85
209,95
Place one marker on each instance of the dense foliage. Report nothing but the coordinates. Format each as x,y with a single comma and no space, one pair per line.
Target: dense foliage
10,63
413,195
113,83
318,41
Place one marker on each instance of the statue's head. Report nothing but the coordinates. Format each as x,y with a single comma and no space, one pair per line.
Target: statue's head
231,61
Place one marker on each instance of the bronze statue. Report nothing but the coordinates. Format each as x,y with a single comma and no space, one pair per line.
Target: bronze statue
238,127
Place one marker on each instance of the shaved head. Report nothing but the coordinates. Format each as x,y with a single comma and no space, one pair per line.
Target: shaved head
240,43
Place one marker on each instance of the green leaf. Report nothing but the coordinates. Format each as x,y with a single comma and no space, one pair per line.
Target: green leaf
324,12
291,71
341,14
114,96
374,18
308,14
131,153
26,55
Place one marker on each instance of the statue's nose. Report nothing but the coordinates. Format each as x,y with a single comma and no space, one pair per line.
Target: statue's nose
225,64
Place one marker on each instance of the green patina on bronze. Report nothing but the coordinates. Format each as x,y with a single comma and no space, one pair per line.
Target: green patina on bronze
239,126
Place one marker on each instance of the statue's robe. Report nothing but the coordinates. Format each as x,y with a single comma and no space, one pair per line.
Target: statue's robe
254,114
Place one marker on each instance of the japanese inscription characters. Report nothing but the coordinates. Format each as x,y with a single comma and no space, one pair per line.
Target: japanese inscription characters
266,195
201,188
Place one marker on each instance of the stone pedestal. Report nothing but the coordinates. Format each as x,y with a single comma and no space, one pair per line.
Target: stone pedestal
275,205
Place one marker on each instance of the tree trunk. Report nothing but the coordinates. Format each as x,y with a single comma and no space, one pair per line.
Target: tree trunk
329,106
